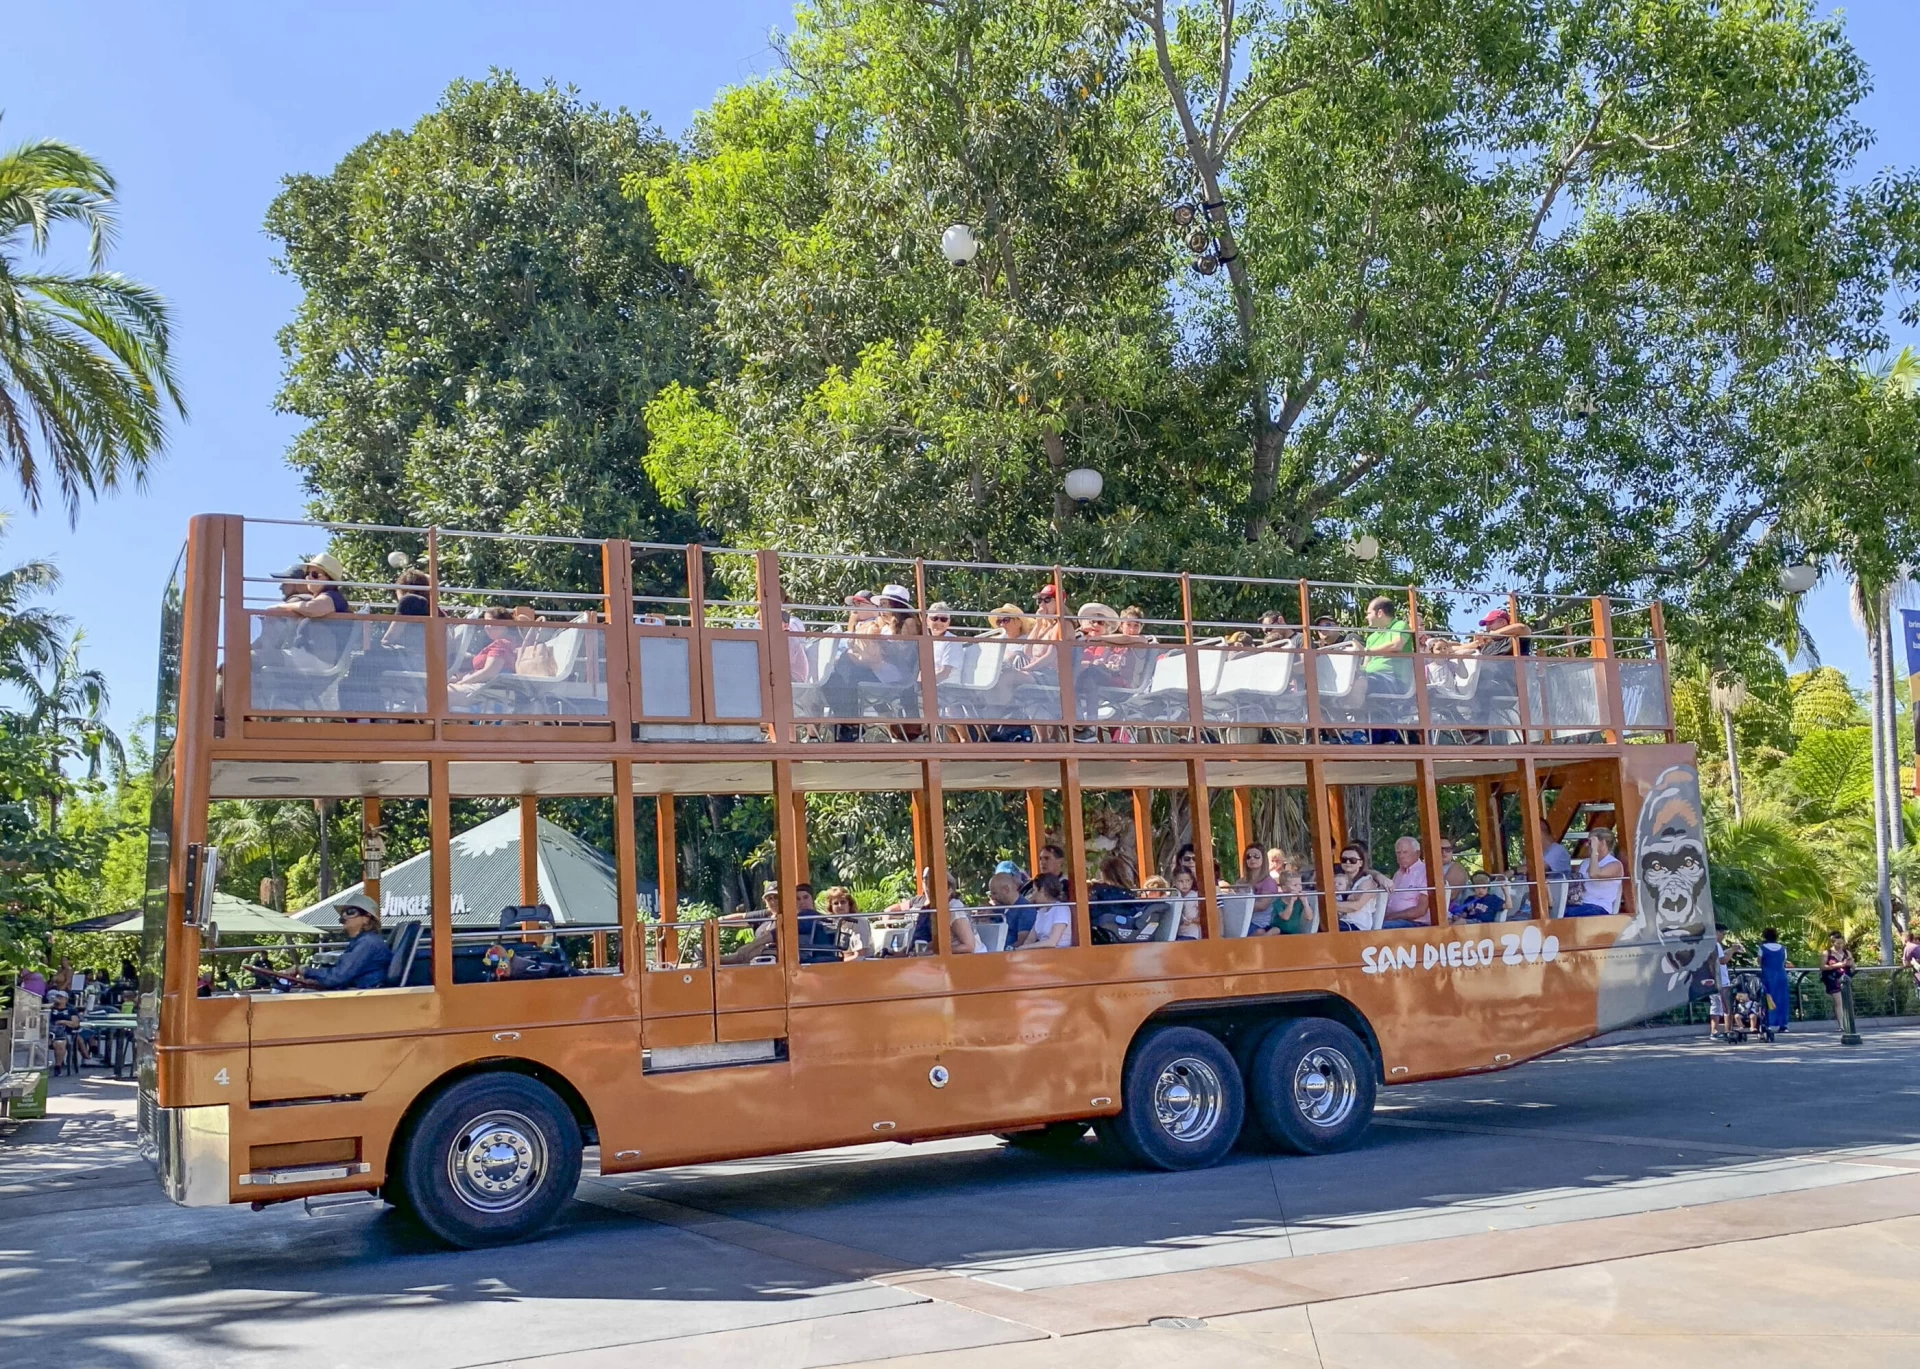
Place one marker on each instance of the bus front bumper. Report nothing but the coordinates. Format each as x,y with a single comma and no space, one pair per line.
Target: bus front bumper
188,1147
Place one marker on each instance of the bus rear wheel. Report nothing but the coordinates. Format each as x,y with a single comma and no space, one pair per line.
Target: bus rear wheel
1182,1103
491,1161
1312,1086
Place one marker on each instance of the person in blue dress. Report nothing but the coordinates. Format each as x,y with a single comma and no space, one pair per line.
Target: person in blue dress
1773,979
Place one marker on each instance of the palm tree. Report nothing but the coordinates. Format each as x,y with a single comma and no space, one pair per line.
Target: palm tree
83,357
30,637
69,705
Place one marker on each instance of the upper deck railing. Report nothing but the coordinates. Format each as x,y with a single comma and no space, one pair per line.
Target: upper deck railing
576,639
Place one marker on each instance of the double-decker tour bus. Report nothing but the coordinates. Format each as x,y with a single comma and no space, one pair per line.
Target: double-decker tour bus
600,790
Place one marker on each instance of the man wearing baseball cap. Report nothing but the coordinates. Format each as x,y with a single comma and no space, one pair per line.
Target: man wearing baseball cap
1498,632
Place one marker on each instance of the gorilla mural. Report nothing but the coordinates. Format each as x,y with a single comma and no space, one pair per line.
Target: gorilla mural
1672,927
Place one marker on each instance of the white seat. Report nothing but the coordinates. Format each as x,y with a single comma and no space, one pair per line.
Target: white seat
1369,917
1338,675
1236,914
991,932
1454,679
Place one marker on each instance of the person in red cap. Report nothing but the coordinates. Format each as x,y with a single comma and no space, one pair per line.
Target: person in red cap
1498,633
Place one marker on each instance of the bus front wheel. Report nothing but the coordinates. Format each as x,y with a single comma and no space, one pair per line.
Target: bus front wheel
1312,1086
492,1160
1182,1103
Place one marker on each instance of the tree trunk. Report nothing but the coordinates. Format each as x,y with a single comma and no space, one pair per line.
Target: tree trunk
1733,766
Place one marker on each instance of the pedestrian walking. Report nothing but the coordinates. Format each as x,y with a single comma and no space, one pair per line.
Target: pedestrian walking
1773,980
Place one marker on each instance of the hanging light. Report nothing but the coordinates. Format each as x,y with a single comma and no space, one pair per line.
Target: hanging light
1365,547
398,559
1199,240
1206,265
1182,215
1799,579
1084,484
958,244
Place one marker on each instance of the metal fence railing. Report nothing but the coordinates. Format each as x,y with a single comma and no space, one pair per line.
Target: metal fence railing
1878,991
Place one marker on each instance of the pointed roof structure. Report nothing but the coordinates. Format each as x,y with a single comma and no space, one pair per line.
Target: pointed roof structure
577,880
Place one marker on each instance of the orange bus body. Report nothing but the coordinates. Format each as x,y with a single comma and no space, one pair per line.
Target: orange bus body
676,1059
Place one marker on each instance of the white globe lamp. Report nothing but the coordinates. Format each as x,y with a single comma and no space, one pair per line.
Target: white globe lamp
958,244
1799,579
1365,547
1084,485
398,559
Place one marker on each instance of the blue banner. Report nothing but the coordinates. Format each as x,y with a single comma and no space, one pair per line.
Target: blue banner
1910,632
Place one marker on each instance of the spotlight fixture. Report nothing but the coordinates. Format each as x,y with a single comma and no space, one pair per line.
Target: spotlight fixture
1199,240
1182,215
1206,265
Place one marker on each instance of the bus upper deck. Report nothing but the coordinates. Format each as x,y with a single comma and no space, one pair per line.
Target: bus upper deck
552,737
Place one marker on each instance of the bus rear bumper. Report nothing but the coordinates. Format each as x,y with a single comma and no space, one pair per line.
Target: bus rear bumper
188,1148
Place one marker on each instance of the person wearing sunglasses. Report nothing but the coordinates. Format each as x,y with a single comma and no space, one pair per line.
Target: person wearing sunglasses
1360,905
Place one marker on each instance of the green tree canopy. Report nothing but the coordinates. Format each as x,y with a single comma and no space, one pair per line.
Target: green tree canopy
484,319
1552,289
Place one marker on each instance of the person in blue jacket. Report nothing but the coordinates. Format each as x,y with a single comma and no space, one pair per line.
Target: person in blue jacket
1773,979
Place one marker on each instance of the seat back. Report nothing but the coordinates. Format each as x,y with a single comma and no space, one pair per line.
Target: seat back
1169,673
403,941
1213,660
980,664
1169,925
565,646
1236,914
1338,674
991,932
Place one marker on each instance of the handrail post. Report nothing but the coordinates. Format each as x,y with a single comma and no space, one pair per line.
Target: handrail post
1422,710
776,672
1430,836
236,682
1611,691
929,687
697,621
440,871
1195,708
1063,657
1310,665
787,878
616,584
1657,616
436,643
1523,678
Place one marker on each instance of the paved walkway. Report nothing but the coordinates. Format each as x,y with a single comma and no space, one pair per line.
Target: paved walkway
1661,1202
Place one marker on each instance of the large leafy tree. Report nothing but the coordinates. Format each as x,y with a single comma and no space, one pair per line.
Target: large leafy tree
876,396
1530,287
484,319
86,375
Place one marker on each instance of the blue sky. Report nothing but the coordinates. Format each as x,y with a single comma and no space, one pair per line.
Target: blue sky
200,109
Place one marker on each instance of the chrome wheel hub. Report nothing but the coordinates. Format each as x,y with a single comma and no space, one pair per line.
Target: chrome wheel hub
497,1161
1325,1087
1188,1099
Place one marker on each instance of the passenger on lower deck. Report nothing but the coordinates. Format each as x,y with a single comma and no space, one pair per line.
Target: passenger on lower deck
363,965
1597,893
763,942
1053,924
1408,905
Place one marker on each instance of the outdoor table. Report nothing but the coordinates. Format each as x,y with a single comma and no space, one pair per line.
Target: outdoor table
117,1031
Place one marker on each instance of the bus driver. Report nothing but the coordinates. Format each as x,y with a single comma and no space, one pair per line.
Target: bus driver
363,965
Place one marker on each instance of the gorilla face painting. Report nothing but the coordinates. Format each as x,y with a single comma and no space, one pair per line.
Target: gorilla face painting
1675,904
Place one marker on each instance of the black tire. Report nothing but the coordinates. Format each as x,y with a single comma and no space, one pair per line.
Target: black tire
1181,1101
532,1169
1052,1139
1312,1085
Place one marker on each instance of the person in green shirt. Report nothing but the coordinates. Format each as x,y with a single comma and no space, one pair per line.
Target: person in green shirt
1388,639
1291,915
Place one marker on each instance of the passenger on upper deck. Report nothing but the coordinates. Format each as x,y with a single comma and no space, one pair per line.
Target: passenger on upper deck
363,965
318,645
946,646
410,594
493,659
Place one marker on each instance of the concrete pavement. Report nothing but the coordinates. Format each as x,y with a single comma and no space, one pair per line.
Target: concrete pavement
1659,1202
